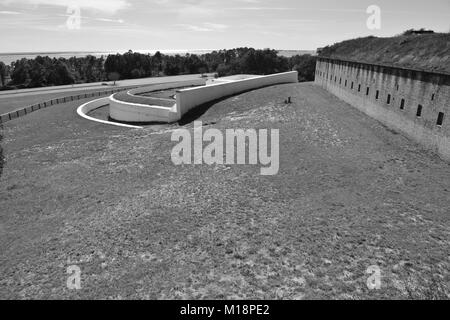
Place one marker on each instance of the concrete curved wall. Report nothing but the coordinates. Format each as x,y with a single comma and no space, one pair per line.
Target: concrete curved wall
84,109
143,111
135,112
188,99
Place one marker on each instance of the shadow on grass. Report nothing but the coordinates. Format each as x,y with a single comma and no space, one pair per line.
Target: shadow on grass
197,112
142,124
193,114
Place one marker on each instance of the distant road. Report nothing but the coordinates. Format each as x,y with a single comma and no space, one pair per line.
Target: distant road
96,85
15,99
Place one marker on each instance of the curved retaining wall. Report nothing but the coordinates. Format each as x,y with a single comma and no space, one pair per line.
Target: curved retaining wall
84,109
188,99
135,112
394,96
140,109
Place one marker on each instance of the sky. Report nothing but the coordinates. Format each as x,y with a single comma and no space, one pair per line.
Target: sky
119,25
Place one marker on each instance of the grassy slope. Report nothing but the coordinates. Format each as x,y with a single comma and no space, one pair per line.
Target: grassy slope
429,52
349,194
18,102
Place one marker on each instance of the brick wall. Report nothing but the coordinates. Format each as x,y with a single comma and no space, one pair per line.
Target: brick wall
392,95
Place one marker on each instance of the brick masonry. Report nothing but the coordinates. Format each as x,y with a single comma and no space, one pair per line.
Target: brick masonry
393,96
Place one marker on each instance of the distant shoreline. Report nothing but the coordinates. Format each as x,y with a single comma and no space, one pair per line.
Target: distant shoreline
9,57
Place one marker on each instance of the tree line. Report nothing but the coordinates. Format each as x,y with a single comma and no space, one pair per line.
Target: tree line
46,71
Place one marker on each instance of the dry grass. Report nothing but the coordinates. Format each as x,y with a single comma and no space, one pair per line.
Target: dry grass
428,52
350,194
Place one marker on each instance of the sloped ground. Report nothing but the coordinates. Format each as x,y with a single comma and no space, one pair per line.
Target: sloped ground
350,194
429,51
14,102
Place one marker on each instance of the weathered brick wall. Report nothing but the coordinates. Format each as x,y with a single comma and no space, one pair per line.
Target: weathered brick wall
358,83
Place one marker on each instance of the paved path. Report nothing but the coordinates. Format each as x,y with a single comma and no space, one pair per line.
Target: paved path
12,100
96,85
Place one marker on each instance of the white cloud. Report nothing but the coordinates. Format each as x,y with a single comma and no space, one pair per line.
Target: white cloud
204,27
12,13
107,6
110,20
191,27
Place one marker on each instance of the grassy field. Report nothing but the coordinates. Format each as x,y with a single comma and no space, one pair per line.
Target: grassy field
350,194
429,51
10,104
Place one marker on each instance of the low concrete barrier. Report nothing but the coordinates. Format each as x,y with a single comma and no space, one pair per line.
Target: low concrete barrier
188,99
84,109
135,112
144,111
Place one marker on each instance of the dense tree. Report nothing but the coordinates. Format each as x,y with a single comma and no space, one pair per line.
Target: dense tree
21,72
60,74
44,71
114,76
305,65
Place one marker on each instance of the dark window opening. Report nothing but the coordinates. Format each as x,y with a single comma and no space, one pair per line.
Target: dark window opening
389,99
353,85
377,95
398,87
345,82
367,91
440,120
402,104
432,97
419,111
340,81
359,88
